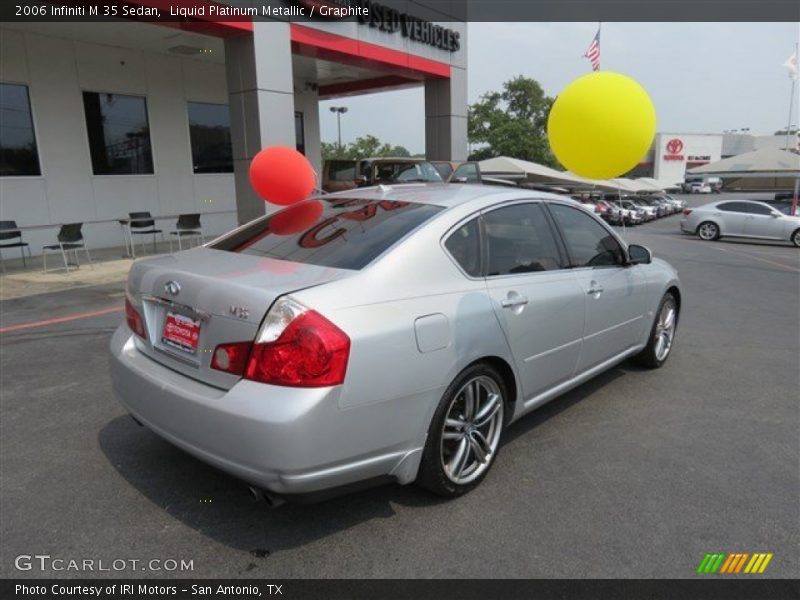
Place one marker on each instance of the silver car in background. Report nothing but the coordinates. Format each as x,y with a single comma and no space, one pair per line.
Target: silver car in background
740,218
388,333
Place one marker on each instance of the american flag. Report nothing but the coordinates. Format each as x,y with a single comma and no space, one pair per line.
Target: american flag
593,53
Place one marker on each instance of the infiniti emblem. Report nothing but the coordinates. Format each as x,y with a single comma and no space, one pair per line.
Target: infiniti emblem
173,288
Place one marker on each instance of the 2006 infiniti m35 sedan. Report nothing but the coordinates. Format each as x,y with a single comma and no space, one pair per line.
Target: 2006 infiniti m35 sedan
387,333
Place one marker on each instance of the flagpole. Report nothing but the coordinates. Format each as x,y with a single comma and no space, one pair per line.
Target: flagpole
791,93
599,37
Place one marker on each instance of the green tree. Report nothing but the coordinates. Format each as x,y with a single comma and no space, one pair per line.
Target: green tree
512,123
363,147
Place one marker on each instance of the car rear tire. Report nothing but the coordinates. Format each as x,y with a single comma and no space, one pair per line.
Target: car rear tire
464,434
662,334
708,231
796,238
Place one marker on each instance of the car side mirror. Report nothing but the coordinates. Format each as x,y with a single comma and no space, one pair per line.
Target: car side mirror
639,255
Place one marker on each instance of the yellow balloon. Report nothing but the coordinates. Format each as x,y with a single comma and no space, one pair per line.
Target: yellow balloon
601,125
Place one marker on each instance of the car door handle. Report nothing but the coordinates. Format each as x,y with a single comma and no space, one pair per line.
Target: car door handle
512,302
595,289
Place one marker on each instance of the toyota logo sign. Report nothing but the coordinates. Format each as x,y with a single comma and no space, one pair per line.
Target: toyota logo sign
674,146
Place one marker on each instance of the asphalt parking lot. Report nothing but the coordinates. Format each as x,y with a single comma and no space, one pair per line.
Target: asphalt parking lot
634,474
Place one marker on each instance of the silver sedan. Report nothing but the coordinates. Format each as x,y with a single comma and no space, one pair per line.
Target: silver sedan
740,218
389,333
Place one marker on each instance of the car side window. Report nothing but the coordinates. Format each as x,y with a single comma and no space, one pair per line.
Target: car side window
732,207
464,245
757,209
519,240
467,173
589,243
444,169
342,170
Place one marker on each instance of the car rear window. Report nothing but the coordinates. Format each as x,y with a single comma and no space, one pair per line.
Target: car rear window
342,233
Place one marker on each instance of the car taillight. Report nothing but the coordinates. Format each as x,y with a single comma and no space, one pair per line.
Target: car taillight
687,212
298,348
134,320
232,357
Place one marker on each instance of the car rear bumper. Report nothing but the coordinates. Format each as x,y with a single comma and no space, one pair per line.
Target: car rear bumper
685,226
284,440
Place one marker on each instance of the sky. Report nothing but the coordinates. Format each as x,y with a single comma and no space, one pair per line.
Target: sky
702,77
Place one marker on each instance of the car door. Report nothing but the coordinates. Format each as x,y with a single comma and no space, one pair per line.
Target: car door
732,217
536,299
763,222
615,293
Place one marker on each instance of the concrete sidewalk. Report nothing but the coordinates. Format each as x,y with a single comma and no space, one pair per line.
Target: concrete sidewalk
110,266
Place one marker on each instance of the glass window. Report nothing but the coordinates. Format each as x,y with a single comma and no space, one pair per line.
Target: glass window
342,170
732,207
119,134
413,172
210,133
756,209
299,133
467,173
589,243
18,154
464,245
341,233
520,240
444,169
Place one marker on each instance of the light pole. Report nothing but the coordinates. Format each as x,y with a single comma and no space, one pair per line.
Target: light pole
339,110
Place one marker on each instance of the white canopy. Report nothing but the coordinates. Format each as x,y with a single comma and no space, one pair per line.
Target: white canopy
504,167
658,185
634,186
514,168
769,162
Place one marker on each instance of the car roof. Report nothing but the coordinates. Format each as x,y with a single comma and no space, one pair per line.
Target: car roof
446,195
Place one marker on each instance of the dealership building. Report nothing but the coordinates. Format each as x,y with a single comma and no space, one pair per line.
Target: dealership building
672,154
103,119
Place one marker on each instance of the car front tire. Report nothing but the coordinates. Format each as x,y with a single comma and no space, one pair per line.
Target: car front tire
464,434
796,238
662,334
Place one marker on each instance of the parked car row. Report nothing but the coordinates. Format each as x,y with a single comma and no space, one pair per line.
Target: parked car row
631,209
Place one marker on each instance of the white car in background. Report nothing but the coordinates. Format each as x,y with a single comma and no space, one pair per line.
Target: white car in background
699,188
740,218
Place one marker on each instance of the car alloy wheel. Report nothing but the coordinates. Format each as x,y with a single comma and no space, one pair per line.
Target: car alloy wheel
796,238
708,231
665,328
471,430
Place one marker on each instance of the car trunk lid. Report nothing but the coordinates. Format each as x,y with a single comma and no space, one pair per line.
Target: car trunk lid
195,300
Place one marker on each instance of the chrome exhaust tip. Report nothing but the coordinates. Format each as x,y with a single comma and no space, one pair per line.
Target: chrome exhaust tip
259,495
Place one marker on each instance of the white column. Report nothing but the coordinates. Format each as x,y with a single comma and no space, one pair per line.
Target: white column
261,96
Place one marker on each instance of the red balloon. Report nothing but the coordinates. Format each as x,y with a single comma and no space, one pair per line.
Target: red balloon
282,175
295,218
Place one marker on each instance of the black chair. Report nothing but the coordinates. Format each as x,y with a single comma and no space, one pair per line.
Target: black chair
9,231
69,238
188,226
142,223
